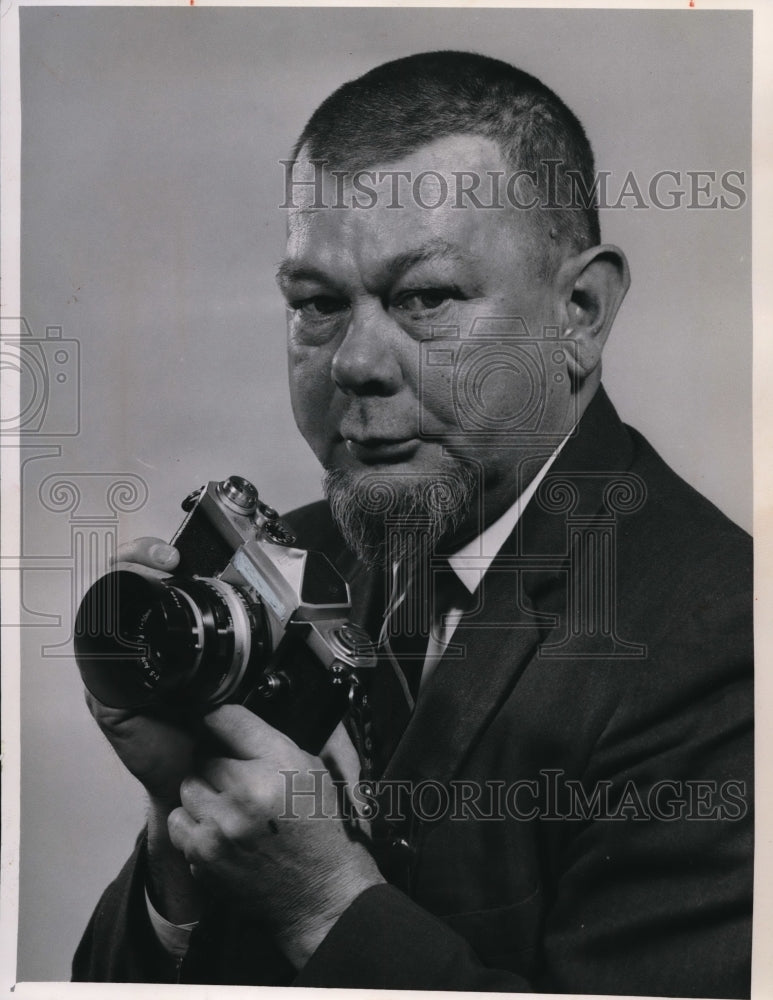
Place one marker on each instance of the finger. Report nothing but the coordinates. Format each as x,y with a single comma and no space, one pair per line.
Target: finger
198,842
339,756
244,735
148,551
182,831
199,798
222,773
104,713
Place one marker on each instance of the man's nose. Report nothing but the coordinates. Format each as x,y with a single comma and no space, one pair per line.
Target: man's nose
367,362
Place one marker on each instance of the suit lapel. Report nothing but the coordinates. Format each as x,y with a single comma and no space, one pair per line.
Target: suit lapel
501,639
474,676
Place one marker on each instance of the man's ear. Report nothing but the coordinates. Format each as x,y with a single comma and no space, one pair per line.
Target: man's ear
592,285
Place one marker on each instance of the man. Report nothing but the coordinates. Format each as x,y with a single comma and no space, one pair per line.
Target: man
556,785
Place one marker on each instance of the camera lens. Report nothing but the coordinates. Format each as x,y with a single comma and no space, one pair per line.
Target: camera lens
142,641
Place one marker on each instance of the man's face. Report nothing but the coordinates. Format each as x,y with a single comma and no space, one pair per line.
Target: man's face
373,294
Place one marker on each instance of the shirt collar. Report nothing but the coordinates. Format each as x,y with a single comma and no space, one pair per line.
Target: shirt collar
472,561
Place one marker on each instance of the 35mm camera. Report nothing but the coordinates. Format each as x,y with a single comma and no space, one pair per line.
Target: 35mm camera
247,617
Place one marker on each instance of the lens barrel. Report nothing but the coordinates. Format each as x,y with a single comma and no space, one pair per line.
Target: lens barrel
143,642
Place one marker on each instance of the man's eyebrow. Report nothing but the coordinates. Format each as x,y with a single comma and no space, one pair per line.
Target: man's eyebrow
431,251
290,270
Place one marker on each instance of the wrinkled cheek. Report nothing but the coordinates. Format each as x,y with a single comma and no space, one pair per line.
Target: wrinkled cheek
436,400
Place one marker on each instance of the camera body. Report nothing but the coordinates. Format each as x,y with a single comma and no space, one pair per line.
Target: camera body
247,617
503,350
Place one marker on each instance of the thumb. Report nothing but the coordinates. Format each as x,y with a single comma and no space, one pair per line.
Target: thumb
245,735
148,551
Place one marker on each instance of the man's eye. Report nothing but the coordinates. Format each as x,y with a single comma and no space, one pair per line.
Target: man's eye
426,299
319,306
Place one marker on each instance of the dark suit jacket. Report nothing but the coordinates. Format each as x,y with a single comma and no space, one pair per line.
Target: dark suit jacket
619,858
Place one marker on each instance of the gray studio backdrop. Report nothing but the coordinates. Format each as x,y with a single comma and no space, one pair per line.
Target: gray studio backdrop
151,179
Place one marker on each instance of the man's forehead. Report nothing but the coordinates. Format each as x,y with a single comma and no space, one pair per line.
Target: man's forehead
388,216
385,242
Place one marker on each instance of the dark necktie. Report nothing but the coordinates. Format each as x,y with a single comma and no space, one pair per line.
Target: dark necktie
418,600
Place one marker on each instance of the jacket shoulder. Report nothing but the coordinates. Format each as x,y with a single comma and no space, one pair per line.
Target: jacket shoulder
682,525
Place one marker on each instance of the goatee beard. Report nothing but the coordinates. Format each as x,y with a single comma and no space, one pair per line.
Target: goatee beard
380,516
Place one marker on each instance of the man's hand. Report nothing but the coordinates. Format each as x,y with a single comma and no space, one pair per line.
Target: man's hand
156,751
271,853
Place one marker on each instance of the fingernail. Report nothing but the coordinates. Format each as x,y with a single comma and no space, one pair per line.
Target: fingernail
162,554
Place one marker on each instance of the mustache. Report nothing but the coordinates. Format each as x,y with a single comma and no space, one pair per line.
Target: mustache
365,417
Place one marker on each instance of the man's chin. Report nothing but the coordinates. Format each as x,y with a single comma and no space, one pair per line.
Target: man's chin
384,511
